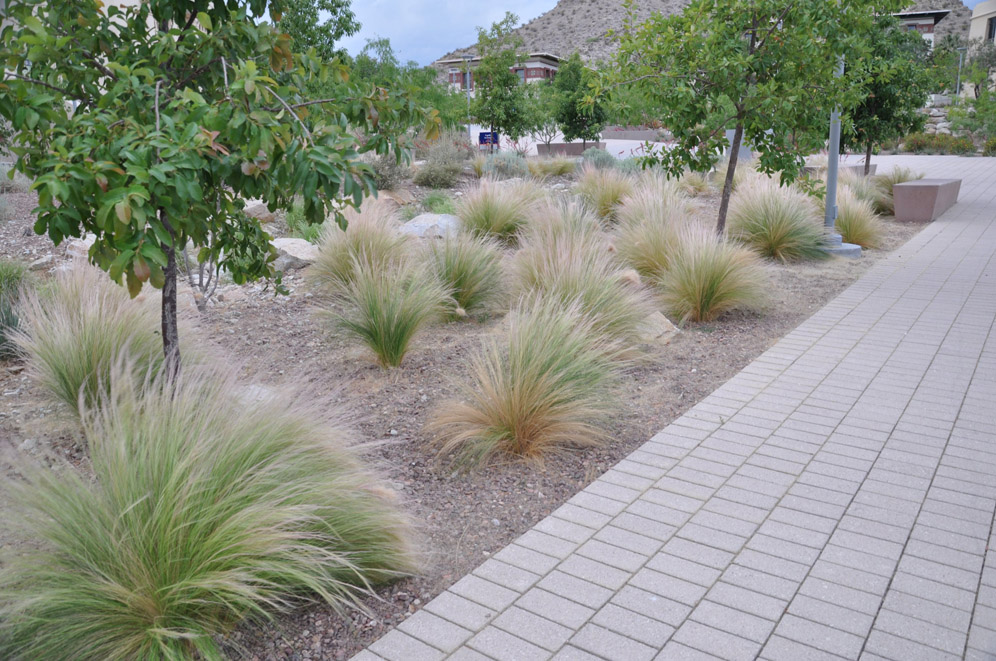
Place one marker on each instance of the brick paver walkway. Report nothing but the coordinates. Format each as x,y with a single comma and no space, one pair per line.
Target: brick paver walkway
833,500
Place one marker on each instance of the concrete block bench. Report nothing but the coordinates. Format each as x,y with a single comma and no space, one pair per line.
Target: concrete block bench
925,199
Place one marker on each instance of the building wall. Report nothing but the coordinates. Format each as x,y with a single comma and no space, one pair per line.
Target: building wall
982,15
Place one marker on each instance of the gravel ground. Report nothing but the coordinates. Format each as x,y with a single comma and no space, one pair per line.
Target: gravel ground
461,518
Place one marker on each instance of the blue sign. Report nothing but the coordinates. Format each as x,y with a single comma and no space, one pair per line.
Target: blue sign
488,138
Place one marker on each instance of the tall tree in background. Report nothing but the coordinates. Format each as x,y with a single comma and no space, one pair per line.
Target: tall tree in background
898,82
499,95
149,125
577,115
302,19
764,68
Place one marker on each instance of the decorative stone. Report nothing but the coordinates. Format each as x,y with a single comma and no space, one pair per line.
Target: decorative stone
80,248
42,263
402,196
940,100
431,225
294,254
657,329
260,212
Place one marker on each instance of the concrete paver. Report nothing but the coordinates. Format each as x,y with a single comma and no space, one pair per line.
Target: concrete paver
834,500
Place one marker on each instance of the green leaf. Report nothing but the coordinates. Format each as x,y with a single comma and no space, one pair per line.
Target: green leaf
204,20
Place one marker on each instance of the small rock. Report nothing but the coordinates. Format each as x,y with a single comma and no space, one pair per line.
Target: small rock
393,432
42,263
260,212
657,329
402,197
293,254
431,225
80,248
28,445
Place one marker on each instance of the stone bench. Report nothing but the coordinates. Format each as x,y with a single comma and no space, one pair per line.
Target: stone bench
924,200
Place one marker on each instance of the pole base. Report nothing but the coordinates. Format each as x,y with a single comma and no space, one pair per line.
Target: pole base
835,246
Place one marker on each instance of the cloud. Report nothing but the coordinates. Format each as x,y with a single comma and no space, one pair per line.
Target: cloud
423,31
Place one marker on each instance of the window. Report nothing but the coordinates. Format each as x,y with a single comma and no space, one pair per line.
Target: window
521,73
991,29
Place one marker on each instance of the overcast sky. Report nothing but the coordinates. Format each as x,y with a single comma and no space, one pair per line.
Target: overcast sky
423,30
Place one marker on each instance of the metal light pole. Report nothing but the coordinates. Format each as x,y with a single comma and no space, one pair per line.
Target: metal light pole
466,66
961,60
834,241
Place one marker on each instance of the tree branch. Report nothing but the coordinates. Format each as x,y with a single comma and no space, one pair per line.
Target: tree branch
66,92
307,133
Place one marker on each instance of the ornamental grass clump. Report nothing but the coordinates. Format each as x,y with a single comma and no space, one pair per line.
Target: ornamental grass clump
498,210
470,268
203,510
546,386
857,221
707,277
567,259
557,166
647,243
14,276
603,189
884,202
779,222
386,307
694,183
654,197
73,329
371,234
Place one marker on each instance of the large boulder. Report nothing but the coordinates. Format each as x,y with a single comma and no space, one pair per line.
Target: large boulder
294,254
431,225
657,329
260,212
80,248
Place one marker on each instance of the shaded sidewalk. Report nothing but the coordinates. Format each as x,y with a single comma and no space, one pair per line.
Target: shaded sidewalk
835,499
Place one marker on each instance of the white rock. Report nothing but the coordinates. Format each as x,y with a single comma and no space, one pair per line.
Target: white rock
431,225
657,329
294,254
42,263
260,212
80,248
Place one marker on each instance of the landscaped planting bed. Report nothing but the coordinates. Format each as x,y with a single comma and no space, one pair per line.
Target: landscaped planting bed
463,511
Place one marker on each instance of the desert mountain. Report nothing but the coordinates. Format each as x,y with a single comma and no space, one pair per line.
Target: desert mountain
582,25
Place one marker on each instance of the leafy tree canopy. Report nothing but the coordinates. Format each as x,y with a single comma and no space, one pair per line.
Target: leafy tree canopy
578,115
499,100
317,24
764,68
150,125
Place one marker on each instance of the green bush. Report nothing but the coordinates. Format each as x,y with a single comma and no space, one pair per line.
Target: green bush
989,149
388,172
546,386
598,158
77,326
300,227
779,222
939,143
470,268
386,307
13,275
439,202
443,165
505,165
204,509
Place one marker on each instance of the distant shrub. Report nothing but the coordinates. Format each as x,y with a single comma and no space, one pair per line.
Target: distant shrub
79,324
857,221
470,268
371,235
545,387
505,165
443,163
630,165
604,190
202,511
388,171
498,210
938,143
558,166
884,202
13,275
989,148
13,183
779,222
477,165
707,277
598,158
438,202
386,306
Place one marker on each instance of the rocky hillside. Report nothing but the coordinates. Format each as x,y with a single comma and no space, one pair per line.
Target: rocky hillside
582,25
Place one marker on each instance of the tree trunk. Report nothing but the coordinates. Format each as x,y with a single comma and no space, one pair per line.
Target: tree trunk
868,157
171,334
731,169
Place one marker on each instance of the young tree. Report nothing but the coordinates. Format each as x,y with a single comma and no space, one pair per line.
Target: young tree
499,100
899,79
148,126
302,19
577,114
764,68
981,65
544,102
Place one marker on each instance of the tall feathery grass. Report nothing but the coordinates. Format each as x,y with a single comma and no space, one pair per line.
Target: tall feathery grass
648,221
371,236
14,276
567,259
779,222
386,307
546,386
707,277
73,330
694,183
603,189
498,210
884,202
861,186
654,196
470,267
203,511
746,172
857,221
556,166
